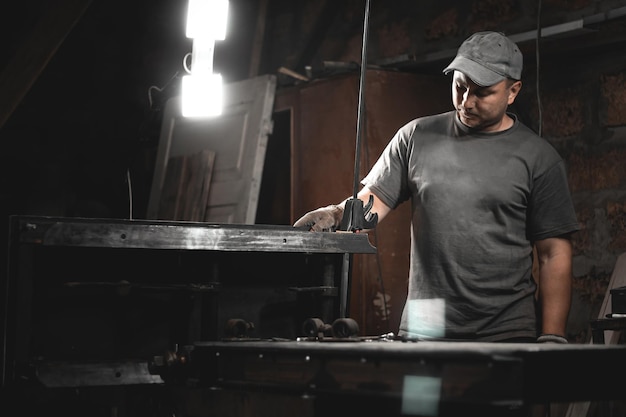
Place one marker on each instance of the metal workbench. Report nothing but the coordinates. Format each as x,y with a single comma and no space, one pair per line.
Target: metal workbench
57,263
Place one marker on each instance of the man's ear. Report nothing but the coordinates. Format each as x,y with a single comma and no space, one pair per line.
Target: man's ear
514,90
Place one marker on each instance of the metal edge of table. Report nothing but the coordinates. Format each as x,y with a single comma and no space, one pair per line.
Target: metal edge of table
546,372
161,234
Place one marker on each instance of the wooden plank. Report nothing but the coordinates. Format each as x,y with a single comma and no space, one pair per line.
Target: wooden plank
198,185
257,44
172,184
618,279
185,192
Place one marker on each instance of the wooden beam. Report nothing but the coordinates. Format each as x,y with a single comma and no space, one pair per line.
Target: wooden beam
257,43
35,52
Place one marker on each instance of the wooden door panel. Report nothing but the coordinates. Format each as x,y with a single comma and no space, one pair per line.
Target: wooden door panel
238,138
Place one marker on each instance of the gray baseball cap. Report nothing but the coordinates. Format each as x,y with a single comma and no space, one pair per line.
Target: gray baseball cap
488,58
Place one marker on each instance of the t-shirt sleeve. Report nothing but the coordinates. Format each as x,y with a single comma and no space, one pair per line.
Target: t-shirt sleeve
552,211
389,175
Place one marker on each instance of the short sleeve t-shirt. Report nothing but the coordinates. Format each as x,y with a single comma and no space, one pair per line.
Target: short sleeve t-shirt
479,201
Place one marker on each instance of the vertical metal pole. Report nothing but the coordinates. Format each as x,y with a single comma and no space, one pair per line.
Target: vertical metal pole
349,212
345,281
328,304
359,123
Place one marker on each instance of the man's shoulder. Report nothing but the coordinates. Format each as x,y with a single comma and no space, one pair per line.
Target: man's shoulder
529,135
430,120
424,126
436,118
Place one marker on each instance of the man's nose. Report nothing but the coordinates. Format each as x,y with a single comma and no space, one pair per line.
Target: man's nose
467,100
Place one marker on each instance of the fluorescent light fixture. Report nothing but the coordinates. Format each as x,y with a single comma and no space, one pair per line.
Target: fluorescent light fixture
207,19
202,90
202,95
202,56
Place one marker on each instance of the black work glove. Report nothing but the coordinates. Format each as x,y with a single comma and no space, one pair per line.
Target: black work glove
551,338
324,219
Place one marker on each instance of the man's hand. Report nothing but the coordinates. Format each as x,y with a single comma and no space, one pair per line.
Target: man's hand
324,219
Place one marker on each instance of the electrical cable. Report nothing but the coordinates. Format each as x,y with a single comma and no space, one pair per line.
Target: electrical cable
537,57
130,194
153,87
539,108
160,89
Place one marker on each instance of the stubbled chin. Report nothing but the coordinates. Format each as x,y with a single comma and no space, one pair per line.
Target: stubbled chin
469,122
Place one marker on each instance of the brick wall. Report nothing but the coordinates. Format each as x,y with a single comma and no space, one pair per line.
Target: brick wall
582,85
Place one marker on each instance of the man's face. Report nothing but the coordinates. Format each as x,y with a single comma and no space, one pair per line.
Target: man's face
483,108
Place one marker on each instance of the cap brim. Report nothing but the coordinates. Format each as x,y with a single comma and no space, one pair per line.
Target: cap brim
476,72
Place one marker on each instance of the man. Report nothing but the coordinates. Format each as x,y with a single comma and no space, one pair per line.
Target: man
484,190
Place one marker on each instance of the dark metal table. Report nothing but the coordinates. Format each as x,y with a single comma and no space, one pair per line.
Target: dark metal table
50,256
405,377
